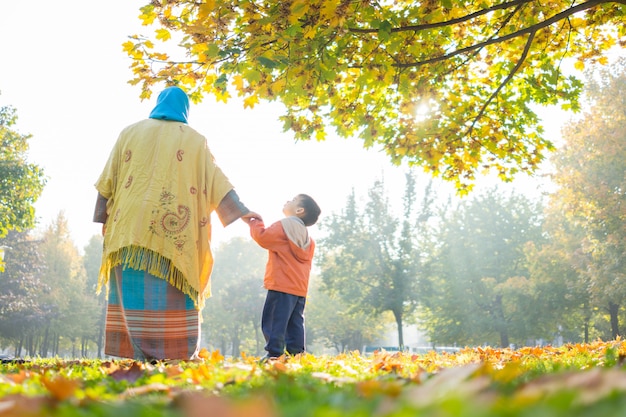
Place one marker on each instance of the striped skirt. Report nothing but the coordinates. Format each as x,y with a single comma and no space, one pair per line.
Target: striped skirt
149,319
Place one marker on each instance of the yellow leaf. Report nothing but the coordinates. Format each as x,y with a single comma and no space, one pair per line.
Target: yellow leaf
163,34
250,101
199,48
238,82
205,9
309,32
603,60
222,95
203,354
579,65
216,356
147,15
60,387
278,86
128,46
576,22
298,10
328,10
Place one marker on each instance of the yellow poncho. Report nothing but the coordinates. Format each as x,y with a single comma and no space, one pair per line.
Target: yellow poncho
162,184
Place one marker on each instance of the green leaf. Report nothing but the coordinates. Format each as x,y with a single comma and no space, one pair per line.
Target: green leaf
267,63
384,30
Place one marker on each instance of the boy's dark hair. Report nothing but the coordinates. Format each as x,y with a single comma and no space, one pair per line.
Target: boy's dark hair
311,210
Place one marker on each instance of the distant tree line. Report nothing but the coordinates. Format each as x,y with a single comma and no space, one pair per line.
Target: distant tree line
493,268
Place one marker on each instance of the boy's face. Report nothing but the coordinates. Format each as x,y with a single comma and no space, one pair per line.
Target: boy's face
292,207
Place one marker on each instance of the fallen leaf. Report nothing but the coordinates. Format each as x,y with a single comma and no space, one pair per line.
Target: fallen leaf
203,354
131,374
590,386
60,387
20,406
145,389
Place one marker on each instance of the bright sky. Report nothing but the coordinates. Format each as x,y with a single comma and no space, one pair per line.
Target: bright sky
62,67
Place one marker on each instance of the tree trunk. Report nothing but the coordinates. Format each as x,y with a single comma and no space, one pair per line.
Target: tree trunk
43,350
257,338
101,325
397,314
235,342
586,322
57,342
613,312
504,339
18,348
30,345
500,322
224,345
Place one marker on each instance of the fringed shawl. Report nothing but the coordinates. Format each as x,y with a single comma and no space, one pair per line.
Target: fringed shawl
162,184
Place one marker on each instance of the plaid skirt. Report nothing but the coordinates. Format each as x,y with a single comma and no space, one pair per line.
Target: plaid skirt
149,319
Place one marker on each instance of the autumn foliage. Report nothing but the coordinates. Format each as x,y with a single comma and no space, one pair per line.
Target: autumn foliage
445,85
571,380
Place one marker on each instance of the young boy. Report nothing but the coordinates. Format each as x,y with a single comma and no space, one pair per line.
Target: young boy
290,255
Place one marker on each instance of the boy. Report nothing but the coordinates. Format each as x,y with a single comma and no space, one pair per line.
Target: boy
286,274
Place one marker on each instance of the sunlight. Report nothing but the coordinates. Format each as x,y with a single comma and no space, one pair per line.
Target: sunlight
425,110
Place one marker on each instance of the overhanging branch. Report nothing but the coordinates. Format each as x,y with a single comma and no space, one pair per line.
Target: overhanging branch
417,28
521,60
526,31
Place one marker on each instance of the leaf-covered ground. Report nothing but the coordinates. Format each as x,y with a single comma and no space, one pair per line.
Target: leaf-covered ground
573,380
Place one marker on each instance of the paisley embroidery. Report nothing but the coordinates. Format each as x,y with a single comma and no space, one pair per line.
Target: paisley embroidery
127,155
173,223
129,181
179,244
167,196
203,221
193,190
179,154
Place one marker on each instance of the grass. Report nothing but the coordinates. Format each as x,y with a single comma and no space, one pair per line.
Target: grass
573,380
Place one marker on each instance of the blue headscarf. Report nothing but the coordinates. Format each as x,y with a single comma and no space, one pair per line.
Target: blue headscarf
172,104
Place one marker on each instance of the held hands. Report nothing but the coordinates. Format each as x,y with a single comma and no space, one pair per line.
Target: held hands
251,216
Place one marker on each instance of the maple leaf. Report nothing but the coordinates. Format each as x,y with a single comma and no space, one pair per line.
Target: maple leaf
60,387
130,375
203,354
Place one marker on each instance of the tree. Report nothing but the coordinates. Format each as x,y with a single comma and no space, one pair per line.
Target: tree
332,323
232,317
91,263
21,183
561,285
479,290
369,260
76,311
590,171
22,310
445,85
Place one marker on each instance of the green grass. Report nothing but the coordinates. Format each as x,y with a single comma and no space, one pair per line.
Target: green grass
574,380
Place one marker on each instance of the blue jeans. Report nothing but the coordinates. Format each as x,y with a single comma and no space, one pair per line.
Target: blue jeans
282,323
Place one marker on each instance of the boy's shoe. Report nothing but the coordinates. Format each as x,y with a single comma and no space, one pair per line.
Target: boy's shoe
268,358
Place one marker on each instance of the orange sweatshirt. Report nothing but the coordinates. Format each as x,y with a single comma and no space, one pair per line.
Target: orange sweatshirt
290,254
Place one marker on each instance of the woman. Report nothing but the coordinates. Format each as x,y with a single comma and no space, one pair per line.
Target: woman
155,196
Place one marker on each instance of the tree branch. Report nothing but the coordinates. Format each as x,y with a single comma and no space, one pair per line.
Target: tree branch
502,25
417,28
521,60
526,31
